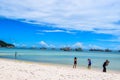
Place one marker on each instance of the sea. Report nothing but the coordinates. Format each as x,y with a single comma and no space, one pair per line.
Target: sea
64,57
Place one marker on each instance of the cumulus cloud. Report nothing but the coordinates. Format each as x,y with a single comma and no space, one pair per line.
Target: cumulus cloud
95,46
78,45
98,16
89,46
43,44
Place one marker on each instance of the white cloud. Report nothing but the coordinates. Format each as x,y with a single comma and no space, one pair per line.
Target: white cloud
43,44
107,31
23,45
86,15
55,31
78,45
16,44
111,40
95,46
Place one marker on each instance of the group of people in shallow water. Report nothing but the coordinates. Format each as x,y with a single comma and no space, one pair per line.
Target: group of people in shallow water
89,64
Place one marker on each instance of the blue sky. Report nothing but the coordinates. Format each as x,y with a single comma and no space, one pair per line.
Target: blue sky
59,23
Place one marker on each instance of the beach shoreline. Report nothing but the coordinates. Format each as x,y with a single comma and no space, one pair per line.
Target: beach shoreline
63,65
14,69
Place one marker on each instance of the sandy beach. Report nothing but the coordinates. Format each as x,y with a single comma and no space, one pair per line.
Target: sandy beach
21,70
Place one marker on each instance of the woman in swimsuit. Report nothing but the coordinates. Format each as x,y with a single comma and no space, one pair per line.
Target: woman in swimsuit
75,62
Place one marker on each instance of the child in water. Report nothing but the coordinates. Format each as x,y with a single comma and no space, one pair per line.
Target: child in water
89,63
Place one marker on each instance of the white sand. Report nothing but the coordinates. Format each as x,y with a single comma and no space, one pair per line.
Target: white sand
19,70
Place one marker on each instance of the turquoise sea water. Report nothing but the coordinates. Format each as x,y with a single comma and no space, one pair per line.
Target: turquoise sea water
63,57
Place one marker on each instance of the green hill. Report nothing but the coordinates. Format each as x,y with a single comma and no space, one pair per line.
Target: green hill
4,44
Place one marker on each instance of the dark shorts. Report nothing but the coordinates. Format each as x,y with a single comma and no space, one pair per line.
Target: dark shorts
89,64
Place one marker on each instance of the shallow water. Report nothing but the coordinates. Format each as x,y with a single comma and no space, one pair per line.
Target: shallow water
63,57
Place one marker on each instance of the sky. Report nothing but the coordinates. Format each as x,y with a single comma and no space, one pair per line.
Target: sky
61,23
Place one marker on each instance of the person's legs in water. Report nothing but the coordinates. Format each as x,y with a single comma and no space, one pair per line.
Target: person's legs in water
74,66
89,66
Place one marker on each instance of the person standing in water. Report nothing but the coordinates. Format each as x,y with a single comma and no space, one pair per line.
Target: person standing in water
89,63
15,55
105,64
75,62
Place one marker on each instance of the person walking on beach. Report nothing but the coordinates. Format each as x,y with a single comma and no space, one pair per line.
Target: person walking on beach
89,63
105,64
75,62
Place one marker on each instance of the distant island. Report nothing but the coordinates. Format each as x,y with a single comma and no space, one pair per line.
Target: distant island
101,50
70,49
7,45
118,50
